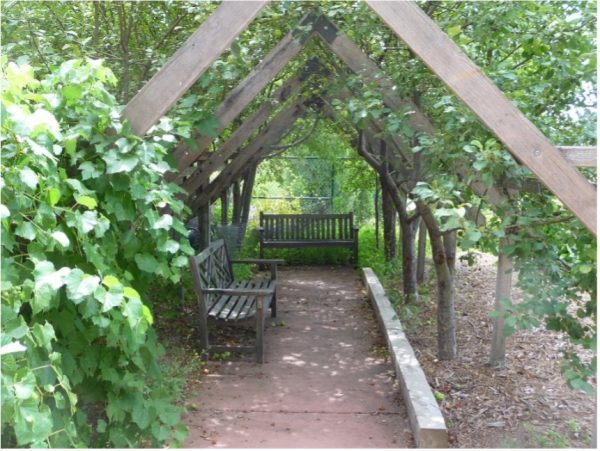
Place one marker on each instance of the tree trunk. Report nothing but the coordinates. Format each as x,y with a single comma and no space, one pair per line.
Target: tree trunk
422,252
503,289
224,207
409,260
446,320
389,223
376,202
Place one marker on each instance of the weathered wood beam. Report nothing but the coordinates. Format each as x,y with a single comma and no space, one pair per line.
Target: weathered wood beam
478,92
362,65
580,156
247,90
260,145
189,62
503,293
199,179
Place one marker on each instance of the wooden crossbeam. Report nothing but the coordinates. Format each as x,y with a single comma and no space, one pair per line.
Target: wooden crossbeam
580,156
199,179
246,91
189,62
259,146
478,92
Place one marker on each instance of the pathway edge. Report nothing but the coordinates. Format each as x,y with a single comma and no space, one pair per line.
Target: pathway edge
426,419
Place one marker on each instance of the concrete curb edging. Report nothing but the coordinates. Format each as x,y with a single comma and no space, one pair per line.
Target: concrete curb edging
426,420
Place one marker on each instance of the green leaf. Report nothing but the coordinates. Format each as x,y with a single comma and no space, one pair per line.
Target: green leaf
28,177
146,262
87,221
454,31
4,211
24,384
140,416
53,196
87,201
164,222
110,281
130,293
119,163
80,285
62,239
72,93
209,127
26,230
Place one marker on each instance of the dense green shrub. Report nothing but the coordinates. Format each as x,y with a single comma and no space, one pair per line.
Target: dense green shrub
84,231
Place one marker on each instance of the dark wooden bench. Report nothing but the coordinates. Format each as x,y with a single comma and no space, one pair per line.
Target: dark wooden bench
308,230
222,298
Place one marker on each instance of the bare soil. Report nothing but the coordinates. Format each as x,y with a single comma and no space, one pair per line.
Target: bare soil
527,403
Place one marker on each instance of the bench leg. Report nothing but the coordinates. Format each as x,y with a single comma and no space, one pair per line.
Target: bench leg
274,305
260,327
204,336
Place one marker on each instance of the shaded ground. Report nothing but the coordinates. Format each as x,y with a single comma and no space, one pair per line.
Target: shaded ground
327,381
527,404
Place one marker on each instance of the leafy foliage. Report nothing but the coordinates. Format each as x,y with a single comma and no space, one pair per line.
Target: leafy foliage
84,232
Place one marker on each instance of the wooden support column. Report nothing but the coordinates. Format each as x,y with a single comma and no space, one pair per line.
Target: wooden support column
189,62
503,293
237,204
224,207
247,193
421,253
203,226
388,210
523,139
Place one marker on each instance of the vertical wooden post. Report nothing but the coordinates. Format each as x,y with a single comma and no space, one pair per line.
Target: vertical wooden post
247,194
421,252
224,207
503,291
376,202
237,205
204,226
389,223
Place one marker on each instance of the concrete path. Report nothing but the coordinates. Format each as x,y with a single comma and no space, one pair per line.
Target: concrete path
326,381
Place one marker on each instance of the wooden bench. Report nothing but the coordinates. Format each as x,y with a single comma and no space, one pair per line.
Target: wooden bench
222,298
308,230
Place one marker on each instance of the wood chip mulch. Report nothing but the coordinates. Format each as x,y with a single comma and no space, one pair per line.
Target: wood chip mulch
527,403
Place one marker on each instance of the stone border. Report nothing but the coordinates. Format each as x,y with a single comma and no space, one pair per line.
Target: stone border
426,420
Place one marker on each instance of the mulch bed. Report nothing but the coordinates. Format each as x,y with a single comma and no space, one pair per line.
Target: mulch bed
525,404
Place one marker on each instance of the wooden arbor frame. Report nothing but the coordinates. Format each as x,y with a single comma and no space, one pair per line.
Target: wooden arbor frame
426,40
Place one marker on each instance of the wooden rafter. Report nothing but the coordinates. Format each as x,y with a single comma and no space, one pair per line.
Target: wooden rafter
245,92
259,146
199,179
189,62
478,92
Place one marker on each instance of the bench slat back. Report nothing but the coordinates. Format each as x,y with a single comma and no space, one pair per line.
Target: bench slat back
307,227
211,268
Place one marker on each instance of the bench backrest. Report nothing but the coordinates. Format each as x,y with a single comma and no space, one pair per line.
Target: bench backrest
308,227
211,268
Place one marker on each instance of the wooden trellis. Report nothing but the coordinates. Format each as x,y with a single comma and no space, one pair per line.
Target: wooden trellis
553,166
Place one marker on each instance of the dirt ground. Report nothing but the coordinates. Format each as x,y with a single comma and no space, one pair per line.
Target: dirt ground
526,404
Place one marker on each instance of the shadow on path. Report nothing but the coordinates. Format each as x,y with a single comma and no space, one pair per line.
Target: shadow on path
326,381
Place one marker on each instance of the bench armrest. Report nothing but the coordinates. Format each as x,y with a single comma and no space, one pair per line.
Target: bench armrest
260,261
240,291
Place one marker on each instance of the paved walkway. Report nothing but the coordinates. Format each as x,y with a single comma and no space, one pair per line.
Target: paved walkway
325,382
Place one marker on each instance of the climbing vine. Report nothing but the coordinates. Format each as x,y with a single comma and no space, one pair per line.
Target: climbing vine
87,224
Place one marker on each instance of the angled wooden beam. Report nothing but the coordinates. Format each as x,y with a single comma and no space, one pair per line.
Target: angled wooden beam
478,92
580,156
189,62
369,71
199,179
246,91
259,146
